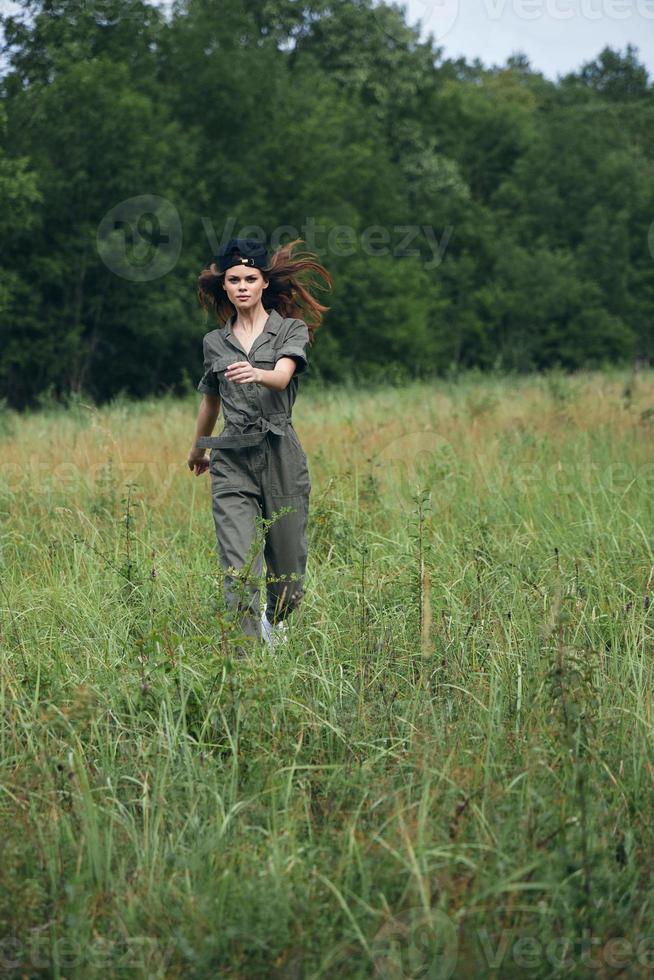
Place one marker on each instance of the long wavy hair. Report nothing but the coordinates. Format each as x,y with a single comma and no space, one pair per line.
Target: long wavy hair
291,279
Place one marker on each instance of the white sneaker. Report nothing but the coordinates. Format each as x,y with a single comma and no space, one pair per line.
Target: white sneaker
273,635
266,629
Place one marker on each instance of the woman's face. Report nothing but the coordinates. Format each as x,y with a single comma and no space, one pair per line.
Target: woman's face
244,286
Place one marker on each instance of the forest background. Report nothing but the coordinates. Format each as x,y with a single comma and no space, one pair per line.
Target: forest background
470,216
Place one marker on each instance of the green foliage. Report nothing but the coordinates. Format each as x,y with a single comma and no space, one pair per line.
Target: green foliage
470,216
454,748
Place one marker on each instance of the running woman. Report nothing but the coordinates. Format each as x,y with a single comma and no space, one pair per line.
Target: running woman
252,364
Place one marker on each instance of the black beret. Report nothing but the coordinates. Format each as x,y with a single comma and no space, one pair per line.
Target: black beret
242,251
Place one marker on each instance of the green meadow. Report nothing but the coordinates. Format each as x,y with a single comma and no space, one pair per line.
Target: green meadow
449,769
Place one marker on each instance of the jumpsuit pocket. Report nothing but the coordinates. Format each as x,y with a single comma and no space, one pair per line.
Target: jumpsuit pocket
220,364
224,470
264,358
290,474
296,442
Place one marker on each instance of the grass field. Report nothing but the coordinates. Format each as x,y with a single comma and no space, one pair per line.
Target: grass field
449,772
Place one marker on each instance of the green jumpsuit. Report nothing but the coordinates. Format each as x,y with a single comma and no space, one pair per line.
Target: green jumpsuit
258,466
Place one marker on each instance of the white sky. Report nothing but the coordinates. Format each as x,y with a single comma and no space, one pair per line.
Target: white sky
556,35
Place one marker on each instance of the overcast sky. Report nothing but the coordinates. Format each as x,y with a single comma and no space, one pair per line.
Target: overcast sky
556,35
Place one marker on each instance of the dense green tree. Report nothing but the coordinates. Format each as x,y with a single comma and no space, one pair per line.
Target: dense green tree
469,215
617,77
544,312
94,326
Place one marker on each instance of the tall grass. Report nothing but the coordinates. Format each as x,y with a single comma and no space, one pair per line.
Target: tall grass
448,772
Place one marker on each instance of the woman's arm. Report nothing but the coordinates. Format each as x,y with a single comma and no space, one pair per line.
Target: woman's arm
207,417
279,378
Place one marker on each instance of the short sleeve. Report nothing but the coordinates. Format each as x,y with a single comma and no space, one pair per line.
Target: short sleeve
296,345
208,384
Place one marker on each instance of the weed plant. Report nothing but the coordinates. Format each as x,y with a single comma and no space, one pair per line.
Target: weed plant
448,769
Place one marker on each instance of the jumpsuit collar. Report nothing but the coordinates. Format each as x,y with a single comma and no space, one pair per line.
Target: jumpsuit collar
271,326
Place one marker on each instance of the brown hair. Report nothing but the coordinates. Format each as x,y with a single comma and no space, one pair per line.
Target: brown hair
284,293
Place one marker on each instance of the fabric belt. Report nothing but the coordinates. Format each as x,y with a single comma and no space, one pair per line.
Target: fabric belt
249,433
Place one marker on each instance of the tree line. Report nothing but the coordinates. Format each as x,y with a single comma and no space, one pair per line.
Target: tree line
470,215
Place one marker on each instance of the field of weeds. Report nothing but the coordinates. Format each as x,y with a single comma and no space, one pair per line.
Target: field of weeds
448,772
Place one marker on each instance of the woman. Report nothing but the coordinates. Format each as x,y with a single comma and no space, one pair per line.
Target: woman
257,464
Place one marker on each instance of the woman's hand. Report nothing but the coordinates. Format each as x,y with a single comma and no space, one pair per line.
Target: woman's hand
198,461
242,372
